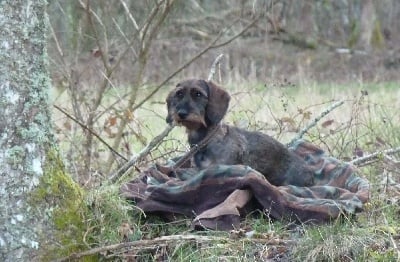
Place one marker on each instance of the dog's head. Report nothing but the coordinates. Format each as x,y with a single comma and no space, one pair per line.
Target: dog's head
196,103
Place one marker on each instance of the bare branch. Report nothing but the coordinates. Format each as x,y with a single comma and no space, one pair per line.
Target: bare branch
252,23
374,156
142,154
214,66
143,244
129,15
157,26
90,13
90,131
147,23
315,121
53,34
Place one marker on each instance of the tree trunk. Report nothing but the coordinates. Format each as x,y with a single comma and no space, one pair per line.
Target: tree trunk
33,185
367,21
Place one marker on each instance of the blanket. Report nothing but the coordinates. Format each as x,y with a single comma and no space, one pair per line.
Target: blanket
219,196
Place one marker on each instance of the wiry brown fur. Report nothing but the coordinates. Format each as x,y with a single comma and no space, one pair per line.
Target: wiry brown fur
200,105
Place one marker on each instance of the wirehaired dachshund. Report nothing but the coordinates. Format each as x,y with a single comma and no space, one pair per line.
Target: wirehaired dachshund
200,105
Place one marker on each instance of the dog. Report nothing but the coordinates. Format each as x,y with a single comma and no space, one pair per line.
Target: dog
200,105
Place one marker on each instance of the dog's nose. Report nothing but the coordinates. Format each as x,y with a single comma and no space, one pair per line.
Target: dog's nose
182,114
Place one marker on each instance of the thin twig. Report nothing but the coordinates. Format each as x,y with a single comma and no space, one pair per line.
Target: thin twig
90,13
53,34
214,66
129,14
238,34
374,156
90,131
142,154
164,240
315,121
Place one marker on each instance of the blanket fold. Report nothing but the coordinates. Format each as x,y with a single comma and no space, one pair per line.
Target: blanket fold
218,196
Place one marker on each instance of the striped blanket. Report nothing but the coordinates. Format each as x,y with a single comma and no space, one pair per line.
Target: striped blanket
218,197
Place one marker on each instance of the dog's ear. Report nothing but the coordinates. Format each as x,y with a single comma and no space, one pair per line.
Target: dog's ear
218,102
169,119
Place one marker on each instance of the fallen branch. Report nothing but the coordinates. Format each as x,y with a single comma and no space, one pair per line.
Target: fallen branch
142,244
374,156
315,121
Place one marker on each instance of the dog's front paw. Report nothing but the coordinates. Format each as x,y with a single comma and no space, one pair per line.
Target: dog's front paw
156,174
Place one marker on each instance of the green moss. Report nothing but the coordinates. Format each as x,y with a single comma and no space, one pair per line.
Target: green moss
62,200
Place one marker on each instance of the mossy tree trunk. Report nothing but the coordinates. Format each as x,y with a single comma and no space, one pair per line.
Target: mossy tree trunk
29,162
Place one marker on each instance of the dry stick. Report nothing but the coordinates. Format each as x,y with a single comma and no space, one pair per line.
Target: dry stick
90,131
374,156
129,15
139,157
214,66
164,240
315,121
53,34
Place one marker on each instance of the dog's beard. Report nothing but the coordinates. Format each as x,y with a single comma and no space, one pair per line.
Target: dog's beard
192,122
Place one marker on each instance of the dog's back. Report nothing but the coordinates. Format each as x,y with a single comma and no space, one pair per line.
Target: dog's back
233,146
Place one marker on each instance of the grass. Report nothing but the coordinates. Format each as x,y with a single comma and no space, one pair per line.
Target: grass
367,122
342,241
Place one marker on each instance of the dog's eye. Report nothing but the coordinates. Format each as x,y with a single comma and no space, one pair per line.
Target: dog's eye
198,94
179,94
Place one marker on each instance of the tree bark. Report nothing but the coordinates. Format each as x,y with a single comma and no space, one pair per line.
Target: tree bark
27,145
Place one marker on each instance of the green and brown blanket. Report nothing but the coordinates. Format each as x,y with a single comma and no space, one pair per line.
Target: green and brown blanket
217,197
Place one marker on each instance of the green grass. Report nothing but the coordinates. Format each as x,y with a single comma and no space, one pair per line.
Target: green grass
366,121
343,241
